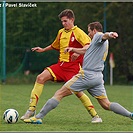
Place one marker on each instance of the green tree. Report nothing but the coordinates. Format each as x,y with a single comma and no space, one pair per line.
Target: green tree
120,19
29,27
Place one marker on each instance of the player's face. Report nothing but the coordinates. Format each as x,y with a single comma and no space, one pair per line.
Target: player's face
90,33
67,23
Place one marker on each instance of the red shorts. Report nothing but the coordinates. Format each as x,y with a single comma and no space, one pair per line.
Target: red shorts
63,71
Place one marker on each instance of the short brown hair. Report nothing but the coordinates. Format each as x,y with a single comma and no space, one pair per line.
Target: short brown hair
67,12
96,25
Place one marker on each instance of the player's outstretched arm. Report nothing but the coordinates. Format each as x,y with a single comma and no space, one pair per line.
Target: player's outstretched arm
77,50
39,49
109,35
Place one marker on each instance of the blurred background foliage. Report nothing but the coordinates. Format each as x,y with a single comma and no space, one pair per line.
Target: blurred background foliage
38,26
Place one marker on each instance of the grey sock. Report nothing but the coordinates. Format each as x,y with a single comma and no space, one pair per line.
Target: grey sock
118,109
50,104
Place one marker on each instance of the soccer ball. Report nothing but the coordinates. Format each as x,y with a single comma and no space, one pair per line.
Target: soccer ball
11,116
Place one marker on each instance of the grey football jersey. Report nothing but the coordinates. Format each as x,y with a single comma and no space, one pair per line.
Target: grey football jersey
96,54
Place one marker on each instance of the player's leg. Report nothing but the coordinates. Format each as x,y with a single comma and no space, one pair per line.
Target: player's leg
54,101
36,92
115,107
89,106
50,105
52,72
99,92
81,95
38,87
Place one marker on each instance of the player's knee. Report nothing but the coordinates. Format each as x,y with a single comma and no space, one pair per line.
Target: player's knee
39,78
63,92
105,107
104,103
58,95
78,94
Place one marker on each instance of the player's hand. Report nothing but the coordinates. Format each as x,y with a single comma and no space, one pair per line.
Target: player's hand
68,49
37,49
74,56
113,35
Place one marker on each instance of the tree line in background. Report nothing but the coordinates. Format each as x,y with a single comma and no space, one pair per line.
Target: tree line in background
38,26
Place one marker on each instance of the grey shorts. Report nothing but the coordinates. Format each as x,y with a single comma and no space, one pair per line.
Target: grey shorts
90,81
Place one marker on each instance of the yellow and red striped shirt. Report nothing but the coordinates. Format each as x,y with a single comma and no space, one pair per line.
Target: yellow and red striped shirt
74,37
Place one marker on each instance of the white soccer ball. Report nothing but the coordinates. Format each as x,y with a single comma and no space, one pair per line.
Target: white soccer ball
11,116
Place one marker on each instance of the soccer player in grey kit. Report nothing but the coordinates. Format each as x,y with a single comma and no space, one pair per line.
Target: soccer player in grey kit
90,77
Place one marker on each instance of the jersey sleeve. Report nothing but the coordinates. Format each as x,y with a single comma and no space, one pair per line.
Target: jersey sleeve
82,37
98,38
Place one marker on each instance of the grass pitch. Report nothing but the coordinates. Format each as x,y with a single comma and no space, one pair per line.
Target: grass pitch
70,115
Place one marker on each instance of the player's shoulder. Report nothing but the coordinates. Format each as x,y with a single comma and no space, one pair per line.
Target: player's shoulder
60,30
78,31
98,34
98,38
76,28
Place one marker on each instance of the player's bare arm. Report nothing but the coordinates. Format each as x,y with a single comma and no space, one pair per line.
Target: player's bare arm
77,50
39,49
109,35
76,55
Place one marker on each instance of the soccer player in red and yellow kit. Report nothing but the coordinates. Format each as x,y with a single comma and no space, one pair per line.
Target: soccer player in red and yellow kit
68,64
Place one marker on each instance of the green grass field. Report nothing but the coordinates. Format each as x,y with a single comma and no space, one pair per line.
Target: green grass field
70,115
